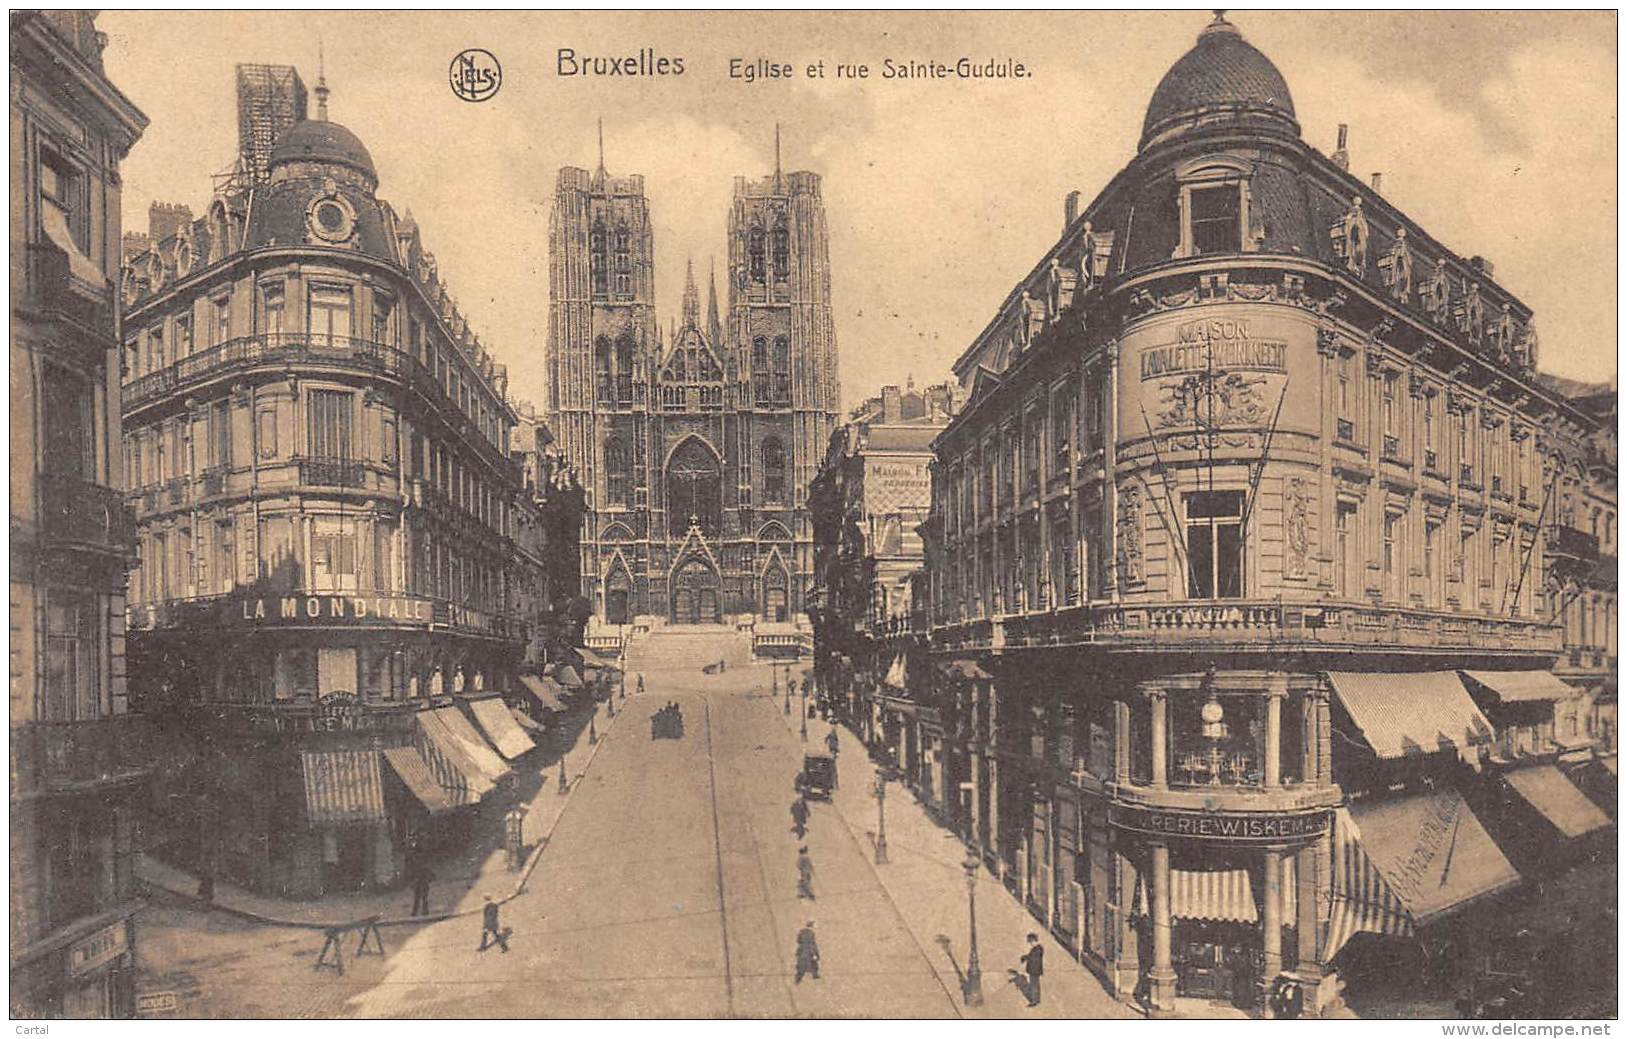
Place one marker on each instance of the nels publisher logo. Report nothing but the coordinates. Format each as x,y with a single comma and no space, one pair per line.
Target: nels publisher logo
475,75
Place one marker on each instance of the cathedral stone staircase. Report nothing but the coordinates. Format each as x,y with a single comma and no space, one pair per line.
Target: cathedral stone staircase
685,647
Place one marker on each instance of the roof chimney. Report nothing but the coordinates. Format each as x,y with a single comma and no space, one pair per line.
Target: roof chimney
892,407
1070,209
1341,157
1378,179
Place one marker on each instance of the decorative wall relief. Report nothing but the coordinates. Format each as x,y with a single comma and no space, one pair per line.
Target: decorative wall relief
1228,399
1526,351
1435,294
1397,267
1472,314
1353,230
1129,536
1296,527
1502,334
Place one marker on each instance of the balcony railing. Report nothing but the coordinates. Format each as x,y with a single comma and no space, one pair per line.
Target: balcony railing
1572,543
1248,623
57,756
75,511
54,287
332,472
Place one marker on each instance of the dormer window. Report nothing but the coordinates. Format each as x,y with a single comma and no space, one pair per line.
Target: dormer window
1214,206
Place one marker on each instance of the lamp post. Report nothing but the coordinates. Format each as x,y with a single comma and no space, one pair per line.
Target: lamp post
804,711
881,817
593,733
564,784
776,668
972,992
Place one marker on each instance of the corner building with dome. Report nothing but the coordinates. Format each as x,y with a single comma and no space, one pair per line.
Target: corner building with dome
318,450
696,448
1239,558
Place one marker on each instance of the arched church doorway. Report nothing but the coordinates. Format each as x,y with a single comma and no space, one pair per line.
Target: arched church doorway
618,597
694,489
695,594
774,602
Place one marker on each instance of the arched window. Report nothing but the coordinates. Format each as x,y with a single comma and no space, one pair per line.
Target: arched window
773,471
756,260
782,253
780,363
601,365
624,240
759,353
625,348
694,488
597,260
618,471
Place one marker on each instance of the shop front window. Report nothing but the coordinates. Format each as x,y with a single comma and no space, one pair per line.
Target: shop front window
1216,740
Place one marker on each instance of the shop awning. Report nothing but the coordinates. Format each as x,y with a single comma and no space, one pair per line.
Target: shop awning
545,691
1221,894
566,676
1549,792
598,657
455,772
494,720
488,760
415,775
964,669
1362,898
1523,686
342,787
1609,764
1432,852
1417,712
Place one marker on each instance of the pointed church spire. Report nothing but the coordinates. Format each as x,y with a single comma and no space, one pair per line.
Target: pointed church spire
692,299
776,158
321,83
601,146
714,328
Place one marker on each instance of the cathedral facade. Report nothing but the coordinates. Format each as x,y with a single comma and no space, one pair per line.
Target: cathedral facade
696,448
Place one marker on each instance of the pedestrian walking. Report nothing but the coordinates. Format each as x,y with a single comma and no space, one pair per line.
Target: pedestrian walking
804,874
420,889
807,953
833,744
799,817
641,683
1033,963
493,930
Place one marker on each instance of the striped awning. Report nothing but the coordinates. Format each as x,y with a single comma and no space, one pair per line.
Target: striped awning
1413,712
455,772
525,721
566,676
1362,898
342,787
1432,851
495,721
416,776
475,745
1523,686
545,691
597,657
1221,894
1549,792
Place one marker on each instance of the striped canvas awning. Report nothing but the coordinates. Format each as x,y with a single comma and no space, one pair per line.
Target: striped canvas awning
1432,851
1414,712
1549,792
416,776
1222,894
494,720
1362,898
342,787
454,771
1523,686
480,752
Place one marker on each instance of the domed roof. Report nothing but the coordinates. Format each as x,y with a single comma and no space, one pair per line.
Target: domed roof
317,140
1222,71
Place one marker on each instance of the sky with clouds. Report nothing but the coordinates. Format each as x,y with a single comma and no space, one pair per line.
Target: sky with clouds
1496,131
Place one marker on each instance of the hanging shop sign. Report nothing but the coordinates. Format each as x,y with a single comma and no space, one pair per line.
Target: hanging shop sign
101,947
1224,826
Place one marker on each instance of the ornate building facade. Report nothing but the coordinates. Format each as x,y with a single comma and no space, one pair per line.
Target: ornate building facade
695,449
1253,472
80,762
318,451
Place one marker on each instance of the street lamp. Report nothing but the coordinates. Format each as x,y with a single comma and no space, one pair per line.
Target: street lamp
804,712
972,990
881,817
776,668
593,733
564,784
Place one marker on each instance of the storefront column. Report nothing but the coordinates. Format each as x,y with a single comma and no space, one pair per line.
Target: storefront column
1324,739
1276,691
1307,742
1121,742
1271,913
1161,979
1158,701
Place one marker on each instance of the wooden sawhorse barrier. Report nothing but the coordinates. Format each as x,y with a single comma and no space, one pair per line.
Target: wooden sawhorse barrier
367,927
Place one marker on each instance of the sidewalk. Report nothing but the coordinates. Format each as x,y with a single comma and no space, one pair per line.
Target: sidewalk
925,879
462,878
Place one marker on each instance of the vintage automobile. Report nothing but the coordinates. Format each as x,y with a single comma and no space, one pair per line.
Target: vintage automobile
818,775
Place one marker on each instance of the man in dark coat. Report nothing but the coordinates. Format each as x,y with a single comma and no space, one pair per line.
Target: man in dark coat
421,876
804,874
832,743
807,953
492,929
1033,962
799,817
